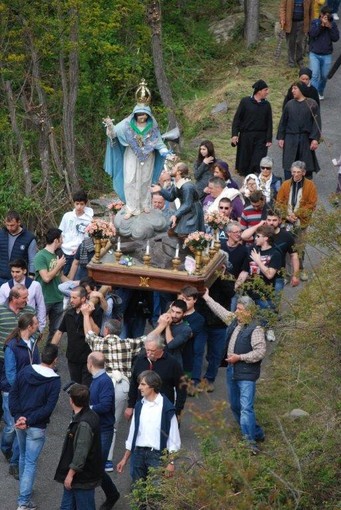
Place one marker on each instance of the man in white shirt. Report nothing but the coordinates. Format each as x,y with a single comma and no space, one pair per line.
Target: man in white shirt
153,429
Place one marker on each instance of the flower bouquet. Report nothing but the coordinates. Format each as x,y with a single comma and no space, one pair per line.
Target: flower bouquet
116,206
100,229
216,220
198,241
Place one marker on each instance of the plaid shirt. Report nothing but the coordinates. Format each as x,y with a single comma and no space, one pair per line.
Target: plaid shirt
118,353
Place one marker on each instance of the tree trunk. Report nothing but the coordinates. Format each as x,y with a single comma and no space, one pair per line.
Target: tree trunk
16,130
70,90
154,21
251,8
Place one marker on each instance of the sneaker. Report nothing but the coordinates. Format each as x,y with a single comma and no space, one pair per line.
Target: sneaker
29,506
336,16
321,98
270,335
304,276
14,471
205,385
109,467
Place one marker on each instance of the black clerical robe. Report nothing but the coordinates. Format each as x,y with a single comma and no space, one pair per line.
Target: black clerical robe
299,125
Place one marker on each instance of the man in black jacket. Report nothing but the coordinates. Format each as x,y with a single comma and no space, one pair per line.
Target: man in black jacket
80,468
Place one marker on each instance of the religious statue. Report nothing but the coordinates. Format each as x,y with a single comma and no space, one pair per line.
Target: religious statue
135,154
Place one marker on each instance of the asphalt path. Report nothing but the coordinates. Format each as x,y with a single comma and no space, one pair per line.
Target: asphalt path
47,493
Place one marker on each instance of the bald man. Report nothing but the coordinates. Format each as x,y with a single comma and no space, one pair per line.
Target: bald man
102,401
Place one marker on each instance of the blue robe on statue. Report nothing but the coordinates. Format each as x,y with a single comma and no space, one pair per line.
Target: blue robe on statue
134,159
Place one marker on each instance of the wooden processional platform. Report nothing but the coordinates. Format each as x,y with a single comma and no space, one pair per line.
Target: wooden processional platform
144,277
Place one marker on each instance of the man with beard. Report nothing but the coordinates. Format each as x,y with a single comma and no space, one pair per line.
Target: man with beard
72,324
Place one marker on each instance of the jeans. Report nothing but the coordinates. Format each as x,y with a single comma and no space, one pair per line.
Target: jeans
199,344
54,312
9,440
242,395
216,345
271,308
67,267
320,66
143,459
78,499
31,442
108,486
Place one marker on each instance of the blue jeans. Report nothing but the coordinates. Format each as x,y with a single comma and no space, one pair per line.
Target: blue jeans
242,396
320,66
216,345
31,442
54,312
142,460
78,499
199,344
108,486
9,440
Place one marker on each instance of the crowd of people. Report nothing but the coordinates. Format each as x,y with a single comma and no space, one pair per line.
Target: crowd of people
139,355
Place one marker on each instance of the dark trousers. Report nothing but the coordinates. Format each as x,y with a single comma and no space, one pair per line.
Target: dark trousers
295,42
108,486
79,373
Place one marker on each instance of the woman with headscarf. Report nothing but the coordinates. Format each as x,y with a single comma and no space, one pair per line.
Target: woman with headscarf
252,129
250,184
221,169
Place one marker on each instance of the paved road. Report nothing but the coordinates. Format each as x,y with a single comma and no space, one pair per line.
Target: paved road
47,493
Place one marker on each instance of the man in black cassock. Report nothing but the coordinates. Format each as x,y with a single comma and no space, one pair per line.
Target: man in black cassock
299,131
252,129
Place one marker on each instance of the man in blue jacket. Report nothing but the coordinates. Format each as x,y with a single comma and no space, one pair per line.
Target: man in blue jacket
32,400
102,401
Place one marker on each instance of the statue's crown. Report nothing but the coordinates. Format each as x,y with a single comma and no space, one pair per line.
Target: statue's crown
142,94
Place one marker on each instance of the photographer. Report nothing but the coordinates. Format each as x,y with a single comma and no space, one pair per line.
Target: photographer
323,32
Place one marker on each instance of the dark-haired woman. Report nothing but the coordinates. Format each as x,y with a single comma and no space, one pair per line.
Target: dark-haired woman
20,350
203,167
221,169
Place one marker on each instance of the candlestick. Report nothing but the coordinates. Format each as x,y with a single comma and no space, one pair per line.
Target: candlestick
177,251
176,263
147,248
146,259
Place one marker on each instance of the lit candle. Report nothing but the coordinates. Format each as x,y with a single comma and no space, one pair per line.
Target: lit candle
147,248
118,244
177,251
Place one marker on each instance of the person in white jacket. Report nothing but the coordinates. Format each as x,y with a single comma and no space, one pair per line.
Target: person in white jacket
73,226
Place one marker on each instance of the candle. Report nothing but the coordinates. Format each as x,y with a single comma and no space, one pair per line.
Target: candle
206,250
118,244
212,243
177,251
147,248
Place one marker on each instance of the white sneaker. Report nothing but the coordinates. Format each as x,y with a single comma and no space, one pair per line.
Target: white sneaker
336,17
270,335
29,506
321,98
